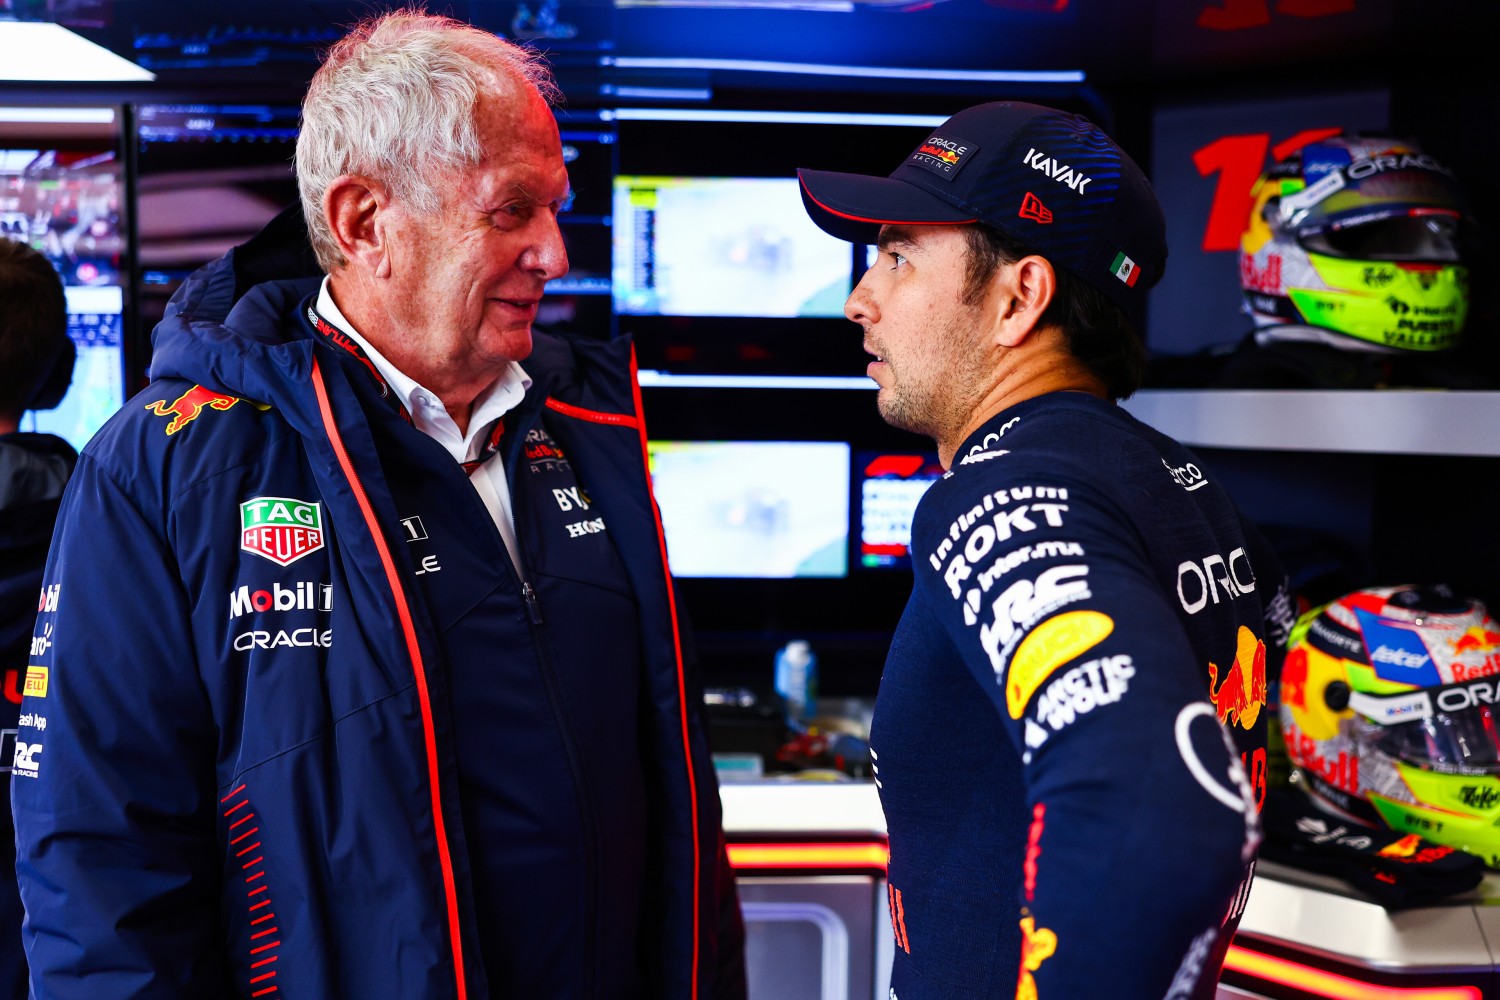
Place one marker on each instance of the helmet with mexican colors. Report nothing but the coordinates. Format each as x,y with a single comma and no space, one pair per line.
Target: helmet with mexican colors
1355,241
1390,709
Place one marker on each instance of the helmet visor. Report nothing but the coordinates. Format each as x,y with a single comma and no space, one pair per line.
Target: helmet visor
1466,741
1415,236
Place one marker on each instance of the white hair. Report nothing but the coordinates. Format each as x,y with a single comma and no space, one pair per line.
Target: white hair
394,101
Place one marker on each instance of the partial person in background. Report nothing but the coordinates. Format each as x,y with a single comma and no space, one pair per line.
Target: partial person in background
365,677
1070,732
36,365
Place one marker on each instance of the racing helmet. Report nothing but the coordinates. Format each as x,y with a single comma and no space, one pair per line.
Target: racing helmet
1354,241
1390,711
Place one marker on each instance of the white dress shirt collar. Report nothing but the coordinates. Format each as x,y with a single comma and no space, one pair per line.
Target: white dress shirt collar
427,411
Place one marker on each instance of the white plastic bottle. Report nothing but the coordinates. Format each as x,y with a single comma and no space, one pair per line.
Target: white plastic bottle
797,677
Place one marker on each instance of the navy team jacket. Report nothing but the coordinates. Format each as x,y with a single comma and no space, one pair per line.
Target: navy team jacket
235,759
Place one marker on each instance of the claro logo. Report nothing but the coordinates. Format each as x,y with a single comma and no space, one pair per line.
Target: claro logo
1197,584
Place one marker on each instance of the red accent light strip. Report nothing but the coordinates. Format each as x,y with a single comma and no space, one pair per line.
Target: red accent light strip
595,416
403,610
860,856
1332,985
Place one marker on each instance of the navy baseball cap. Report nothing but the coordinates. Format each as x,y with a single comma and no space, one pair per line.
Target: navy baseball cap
1050,179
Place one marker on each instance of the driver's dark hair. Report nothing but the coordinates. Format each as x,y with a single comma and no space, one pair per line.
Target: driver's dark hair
1097,331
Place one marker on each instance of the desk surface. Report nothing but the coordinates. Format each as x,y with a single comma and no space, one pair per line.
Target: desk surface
1315,914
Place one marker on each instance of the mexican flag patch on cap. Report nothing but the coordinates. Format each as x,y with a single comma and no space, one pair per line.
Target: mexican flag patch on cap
1125,269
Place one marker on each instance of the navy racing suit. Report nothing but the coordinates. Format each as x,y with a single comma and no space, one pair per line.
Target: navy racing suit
1091,620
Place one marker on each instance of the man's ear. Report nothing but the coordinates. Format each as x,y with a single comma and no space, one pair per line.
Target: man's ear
355,207
1026,289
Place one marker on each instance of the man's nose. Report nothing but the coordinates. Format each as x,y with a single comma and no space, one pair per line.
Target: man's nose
547,255
860,307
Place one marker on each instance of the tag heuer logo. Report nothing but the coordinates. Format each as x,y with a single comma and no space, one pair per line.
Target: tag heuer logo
280,528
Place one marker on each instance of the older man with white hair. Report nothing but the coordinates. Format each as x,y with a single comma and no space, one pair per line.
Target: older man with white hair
364,676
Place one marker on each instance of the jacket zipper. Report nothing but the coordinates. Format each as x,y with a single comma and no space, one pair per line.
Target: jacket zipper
419,671
554,699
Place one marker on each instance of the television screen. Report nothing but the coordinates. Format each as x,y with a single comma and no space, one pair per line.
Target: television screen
98,390
62,191
723,246
754,508
890,484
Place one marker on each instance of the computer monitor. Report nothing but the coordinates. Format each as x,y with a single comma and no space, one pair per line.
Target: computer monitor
716,266
723,246
889,486
753,509
63,191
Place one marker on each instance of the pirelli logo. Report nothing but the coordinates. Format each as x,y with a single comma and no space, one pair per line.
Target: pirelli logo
36,682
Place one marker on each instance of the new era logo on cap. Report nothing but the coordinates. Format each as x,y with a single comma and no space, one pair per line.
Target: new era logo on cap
1033,209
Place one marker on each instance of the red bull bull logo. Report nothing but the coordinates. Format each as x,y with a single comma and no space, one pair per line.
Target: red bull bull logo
185,408
1037,945
1403,848
1294,678
946,155
1242,694
1477,640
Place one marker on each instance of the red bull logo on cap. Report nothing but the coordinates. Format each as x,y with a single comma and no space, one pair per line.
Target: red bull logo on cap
281,529
185,408
943,154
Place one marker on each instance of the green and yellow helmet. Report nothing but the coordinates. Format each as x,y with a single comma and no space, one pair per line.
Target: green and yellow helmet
1354,241
1390,711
